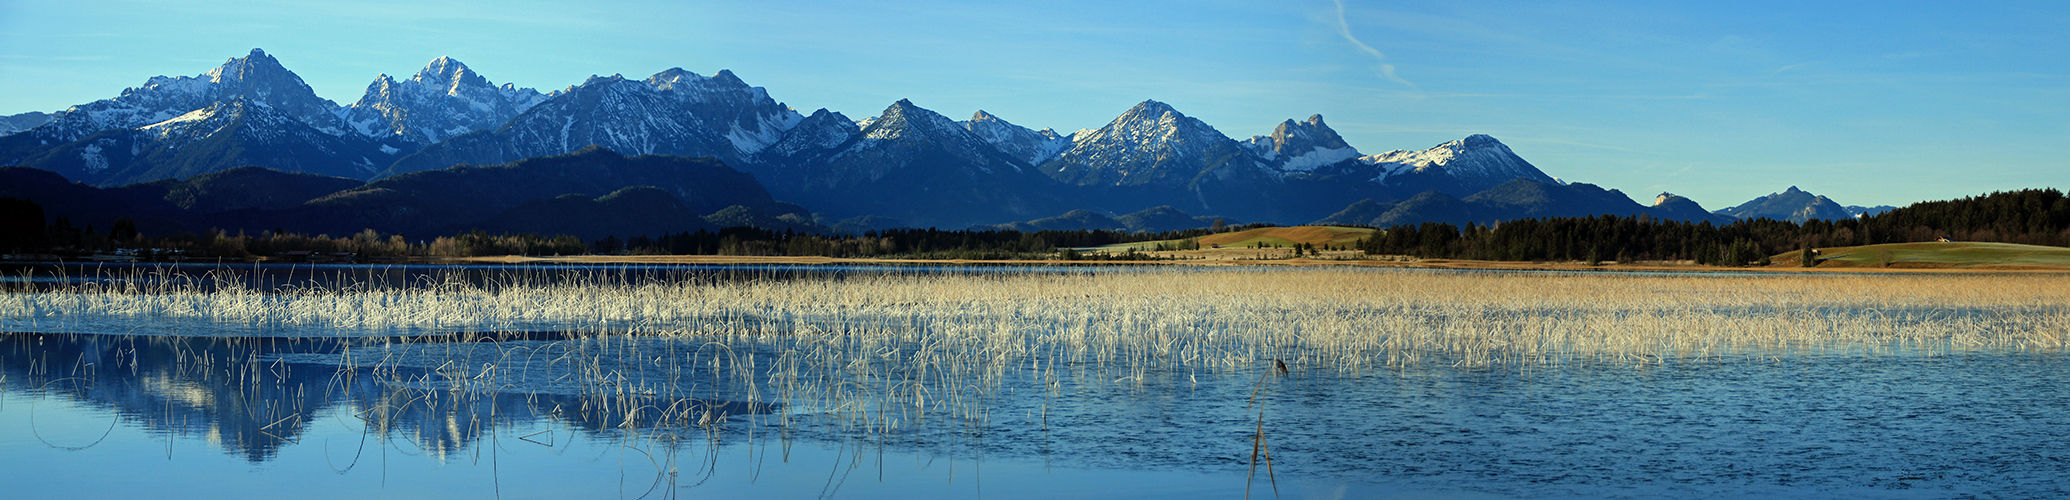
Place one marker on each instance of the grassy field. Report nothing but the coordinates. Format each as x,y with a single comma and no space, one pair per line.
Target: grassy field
1938,255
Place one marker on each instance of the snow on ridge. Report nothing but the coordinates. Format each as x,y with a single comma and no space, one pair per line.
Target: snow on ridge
190,117
1317,158
443,99
1476,156
1029,146
1262,147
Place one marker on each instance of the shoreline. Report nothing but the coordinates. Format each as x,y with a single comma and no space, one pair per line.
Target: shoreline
1226,260
1464,265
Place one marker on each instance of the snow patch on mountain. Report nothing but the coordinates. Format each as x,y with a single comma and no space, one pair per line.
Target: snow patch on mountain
1477,156
256,77
200,123
905,121
1299,147
442,100
1149,137
1029,146
91,157
1317,158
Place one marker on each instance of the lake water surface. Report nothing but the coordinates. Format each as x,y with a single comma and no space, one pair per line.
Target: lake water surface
196,409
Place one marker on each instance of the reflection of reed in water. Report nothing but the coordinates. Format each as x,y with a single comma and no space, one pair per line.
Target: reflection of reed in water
215,389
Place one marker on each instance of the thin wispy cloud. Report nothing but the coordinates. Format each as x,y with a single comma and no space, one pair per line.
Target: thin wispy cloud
1386,69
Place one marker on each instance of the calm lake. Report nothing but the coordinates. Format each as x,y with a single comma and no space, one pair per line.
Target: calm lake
139,395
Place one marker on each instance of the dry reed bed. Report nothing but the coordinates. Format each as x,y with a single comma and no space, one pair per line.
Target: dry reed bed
881,351
1328,318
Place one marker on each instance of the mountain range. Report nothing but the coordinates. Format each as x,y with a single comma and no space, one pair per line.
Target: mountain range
907,164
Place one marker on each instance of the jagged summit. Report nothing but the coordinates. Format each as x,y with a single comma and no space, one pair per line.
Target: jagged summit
673,112
261,78
1031,146
720,87
444,99
1301,146
450,74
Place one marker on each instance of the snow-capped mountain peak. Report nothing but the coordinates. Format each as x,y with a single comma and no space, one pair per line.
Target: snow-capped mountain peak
723,86
1148,125
907,127
672,112
444,99
1151,143
904,118
261,78
452,76
257,77
1031,146
1476,160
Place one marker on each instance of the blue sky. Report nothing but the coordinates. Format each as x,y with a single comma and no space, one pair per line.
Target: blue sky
1868,102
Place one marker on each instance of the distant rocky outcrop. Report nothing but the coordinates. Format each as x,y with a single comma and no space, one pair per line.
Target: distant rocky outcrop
1792,205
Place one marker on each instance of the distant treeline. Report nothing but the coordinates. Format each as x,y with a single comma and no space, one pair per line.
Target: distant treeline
23,231
2037,217
2034,217
901,243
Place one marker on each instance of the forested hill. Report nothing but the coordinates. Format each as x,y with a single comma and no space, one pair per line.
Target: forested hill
2034,217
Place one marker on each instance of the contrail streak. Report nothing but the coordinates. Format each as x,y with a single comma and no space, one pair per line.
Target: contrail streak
1386,70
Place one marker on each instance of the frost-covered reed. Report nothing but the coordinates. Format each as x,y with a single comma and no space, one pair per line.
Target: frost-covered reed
881,350
1153,319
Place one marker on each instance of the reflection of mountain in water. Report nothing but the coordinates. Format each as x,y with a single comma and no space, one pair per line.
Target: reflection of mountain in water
253,396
